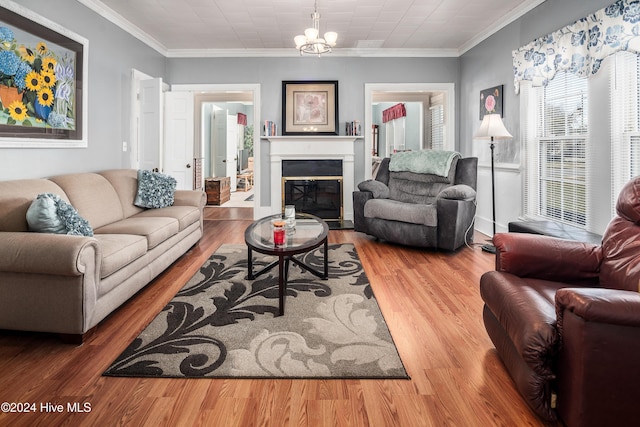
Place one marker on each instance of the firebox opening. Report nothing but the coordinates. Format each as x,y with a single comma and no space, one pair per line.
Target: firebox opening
314,187
320,196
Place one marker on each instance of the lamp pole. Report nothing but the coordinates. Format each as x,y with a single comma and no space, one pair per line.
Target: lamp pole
492,128
489,247
493,195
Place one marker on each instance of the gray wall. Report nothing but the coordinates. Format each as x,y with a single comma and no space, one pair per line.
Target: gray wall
489,64
112,54
351,74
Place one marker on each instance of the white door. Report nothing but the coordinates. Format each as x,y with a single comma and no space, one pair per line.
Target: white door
232,150
224,145
178,140
151,124
219,142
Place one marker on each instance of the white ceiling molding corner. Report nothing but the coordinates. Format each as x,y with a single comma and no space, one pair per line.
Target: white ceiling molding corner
117,19
498,25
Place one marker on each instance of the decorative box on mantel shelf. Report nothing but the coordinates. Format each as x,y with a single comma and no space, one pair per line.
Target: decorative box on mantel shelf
218,190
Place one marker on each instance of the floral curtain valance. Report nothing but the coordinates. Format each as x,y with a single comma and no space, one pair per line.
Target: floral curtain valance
242,119
580,47
394,112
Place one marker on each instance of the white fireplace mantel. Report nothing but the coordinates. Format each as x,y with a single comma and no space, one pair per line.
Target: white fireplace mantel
314,147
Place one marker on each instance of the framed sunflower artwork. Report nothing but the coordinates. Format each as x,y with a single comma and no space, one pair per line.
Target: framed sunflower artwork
43,81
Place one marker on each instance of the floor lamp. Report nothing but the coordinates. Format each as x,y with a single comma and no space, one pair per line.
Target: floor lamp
492,128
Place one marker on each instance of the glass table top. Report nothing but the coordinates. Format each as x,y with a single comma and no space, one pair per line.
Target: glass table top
309,231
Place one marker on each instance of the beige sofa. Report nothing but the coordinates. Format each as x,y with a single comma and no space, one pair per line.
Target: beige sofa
67,284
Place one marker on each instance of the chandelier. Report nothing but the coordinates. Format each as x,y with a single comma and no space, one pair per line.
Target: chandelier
311,42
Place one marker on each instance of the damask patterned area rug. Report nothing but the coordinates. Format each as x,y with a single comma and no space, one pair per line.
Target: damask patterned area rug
222,325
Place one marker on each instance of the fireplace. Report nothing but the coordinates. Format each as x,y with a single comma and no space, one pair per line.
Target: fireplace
314,187
340,149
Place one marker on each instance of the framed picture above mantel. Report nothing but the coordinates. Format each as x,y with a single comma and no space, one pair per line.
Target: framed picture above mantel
43,81
310,107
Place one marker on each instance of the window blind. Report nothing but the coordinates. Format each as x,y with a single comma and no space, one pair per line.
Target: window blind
560,151
437,127
625,126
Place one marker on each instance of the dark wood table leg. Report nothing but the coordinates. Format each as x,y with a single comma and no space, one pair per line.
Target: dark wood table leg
250,263
326,258
281,282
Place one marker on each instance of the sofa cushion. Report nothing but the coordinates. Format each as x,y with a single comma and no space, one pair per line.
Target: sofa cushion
186,215
526,309
458,192
628,204
405,212
125,182
620,267
48,213
119,250
16,197
93,196
156,230
155,190
418,187
377,188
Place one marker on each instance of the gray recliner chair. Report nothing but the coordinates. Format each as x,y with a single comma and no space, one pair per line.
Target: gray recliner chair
419,209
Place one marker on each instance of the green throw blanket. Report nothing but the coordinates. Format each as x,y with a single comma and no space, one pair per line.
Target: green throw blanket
434,162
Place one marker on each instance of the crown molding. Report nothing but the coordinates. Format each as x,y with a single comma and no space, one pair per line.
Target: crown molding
498,25
336,52
117,19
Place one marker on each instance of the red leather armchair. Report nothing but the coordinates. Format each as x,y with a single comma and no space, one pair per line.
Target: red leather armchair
564,317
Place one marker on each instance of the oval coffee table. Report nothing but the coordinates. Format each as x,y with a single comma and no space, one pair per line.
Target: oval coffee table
310,232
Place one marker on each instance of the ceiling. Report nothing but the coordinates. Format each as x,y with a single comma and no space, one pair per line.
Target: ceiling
267,27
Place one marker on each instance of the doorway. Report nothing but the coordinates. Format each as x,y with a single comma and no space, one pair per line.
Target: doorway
434,122
228,102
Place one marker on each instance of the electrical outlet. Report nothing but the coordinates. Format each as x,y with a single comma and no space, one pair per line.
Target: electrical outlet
124,146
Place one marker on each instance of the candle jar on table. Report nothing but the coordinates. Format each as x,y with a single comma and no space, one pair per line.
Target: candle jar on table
290,218
279,233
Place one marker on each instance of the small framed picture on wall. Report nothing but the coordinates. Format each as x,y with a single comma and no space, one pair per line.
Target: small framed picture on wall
491,101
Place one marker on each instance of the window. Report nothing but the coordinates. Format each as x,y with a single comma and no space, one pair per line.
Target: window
556,184
395,135
437,127
625,122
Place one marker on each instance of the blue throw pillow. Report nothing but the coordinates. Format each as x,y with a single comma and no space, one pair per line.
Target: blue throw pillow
155,190
48,213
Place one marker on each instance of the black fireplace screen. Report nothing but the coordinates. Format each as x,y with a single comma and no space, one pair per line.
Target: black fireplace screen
313,186
319,196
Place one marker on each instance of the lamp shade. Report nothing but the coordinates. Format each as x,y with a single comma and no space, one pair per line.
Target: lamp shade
331,37
311,33
492,128
300,40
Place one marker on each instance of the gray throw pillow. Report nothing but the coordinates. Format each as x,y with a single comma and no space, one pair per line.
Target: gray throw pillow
379,190
155,190
48,213
458,192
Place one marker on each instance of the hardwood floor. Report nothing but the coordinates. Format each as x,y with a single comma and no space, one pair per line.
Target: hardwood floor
430,301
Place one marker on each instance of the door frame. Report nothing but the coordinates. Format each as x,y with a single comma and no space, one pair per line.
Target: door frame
221,88
450,111
134,130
